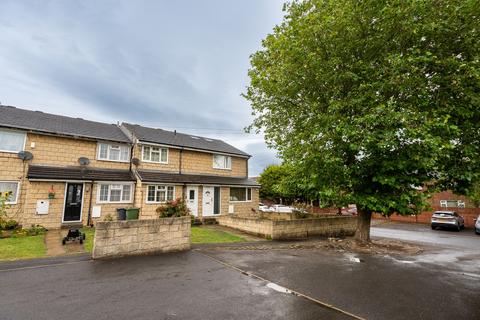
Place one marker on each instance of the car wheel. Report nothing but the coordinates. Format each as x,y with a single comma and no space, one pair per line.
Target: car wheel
458,228
477,232
433,227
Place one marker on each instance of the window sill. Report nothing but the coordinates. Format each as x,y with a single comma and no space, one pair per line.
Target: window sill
246,201
120,161
156,162
10,151
113,202
230,169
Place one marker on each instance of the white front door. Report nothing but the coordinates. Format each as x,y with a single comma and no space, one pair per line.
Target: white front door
192,199
208,198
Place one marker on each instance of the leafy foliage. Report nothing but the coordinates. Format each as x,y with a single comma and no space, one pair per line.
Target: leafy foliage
175,208
370,100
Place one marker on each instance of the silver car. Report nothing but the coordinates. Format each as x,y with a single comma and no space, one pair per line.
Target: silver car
447,219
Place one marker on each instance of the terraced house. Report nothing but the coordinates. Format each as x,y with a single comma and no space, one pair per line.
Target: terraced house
67,171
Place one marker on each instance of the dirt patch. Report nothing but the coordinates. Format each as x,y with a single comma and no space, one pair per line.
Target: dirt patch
382,246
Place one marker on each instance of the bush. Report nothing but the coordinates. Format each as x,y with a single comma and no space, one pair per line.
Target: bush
176,208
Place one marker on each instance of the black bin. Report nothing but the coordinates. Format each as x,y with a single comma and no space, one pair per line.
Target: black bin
122,214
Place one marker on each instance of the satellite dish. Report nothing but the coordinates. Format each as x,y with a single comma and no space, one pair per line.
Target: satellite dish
25,155
136,161
84,161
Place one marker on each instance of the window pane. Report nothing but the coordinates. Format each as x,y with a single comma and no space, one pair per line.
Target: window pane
164,155
11,141
452,203
126,192
228,162
249,194
218,161
103,150
237,194
151,193
103,192
125,153
160,195
9,187
146,153
115,194
170,193
114,153
155,154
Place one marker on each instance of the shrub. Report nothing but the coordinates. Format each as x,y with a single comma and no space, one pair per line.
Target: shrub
176,208
3,209
108,217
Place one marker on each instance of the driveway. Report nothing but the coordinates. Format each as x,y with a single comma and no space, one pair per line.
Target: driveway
420,233
231,282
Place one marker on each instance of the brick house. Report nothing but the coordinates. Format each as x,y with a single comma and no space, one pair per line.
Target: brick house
82,170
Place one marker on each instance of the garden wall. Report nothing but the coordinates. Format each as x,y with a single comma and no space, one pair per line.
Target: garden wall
292,229
136,237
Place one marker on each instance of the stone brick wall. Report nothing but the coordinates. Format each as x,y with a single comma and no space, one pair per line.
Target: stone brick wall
136,237
13,169
62,151
148,210
201,162
239,208
171,166
292,229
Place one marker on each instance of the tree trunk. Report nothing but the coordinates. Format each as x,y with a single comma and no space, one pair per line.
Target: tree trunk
362,234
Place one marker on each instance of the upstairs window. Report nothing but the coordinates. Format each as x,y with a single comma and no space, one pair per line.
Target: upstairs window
113,152
115,193
12,141
241,194
222,162
158,194
12,188
154,154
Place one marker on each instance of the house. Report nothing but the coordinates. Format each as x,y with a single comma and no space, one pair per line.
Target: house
67,171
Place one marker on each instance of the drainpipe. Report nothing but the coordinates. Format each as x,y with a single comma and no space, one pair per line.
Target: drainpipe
89,219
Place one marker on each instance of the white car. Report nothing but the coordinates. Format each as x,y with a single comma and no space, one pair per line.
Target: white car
282,208
265,208
477,225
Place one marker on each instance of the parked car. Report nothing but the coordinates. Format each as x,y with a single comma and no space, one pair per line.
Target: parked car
282,208
447,219
265,208
477,225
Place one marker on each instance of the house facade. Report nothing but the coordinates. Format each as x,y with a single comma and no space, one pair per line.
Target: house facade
70,171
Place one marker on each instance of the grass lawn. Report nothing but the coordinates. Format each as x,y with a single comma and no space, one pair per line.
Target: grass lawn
204,235
89,234
22,247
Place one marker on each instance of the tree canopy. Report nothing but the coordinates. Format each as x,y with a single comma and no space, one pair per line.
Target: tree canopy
371,100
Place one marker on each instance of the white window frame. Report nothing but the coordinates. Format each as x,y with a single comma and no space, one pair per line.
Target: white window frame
160,156
110,184
17,193
24,140
246,195
229,162
166,193
110,145
444,204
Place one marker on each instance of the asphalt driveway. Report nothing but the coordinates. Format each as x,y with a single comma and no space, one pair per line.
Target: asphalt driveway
229,282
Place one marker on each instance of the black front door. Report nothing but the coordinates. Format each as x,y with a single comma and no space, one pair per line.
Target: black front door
73,202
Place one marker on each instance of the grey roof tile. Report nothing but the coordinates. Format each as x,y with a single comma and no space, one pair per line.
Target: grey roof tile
12,117
160,136
168,177
78,173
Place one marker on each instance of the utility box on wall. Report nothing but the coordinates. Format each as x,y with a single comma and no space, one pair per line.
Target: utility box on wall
42,206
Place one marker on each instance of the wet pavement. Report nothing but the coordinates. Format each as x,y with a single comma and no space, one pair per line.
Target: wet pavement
229,282
421,233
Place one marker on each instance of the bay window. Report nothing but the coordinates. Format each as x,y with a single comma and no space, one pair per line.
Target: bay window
113,152
121,193
241,194
159,194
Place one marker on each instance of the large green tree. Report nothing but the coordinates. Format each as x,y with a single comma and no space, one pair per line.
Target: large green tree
370,100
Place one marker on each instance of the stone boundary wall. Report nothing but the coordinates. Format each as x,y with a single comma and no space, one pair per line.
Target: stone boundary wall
136,237
292,229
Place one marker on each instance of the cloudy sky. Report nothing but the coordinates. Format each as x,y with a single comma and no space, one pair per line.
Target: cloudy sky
169,64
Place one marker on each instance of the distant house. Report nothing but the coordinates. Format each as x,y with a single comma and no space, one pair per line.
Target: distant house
65,171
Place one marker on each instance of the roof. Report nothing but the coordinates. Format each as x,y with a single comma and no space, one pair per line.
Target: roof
78,173
12,117
166,177
170,138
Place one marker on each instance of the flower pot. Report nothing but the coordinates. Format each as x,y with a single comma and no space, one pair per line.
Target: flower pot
132,213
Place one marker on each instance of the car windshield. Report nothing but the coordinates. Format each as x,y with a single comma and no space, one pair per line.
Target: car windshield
444,213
